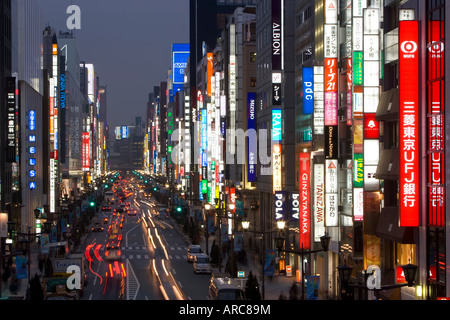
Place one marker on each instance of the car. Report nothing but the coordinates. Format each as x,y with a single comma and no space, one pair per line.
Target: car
201,263
132,212
97,227
192,251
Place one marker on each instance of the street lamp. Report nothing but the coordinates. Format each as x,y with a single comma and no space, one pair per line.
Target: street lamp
246,225
324,241
409,270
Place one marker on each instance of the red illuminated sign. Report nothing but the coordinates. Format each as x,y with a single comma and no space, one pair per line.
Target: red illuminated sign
331,96
85,151
409,123
436,128
371,126
305,200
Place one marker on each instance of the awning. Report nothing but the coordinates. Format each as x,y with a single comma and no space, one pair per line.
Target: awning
388,227
388,106
388,165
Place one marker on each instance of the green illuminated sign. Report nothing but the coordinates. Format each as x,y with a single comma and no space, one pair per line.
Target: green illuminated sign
358,64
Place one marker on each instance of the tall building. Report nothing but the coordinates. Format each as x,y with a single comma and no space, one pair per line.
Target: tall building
72,113
30,86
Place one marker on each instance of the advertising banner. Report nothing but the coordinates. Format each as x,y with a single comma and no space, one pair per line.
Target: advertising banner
319,201
308,90
277,34
436,127
280,203
252,143
409,123
305,197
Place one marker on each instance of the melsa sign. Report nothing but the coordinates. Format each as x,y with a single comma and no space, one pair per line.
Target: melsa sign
409,123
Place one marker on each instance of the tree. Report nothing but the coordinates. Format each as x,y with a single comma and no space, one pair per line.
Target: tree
36,293
214,254
231,266
252,288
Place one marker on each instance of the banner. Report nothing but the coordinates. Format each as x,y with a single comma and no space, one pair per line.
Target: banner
409,123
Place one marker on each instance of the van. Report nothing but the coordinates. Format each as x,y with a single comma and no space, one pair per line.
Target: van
201,263
223,287
192,251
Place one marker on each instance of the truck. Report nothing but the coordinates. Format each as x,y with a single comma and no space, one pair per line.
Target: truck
56,284
109,197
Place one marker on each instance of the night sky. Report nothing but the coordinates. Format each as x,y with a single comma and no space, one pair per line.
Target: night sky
129,43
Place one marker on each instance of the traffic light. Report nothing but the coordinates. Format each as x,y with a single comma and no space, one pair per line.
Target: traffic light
179,209
92,203
155,189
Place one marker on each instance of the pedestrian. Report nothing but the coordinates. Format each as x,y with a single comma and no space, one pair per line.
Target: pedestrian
293,292
281,296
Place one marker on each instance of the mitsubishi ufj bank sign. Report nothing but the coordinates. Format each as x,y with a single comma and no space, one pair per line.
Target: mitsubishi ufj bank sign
409,123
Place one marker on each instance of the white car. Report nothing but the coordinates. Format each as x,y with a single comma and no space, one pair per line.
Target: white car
192,251
201,263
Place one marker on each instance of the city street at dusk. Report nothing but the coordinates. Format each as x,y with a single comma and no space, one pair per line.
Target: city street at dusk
224,158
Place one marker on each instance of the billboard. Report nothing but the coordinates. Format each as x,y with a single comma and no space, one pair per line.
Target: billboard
308,90
319,201
277,35
435,123
180,56
252,143
409,123
305,197
85,151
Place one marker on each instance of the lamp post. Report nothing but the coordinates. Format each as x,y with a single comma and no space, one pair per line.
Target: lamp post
345,272
206,208
246,226
325,243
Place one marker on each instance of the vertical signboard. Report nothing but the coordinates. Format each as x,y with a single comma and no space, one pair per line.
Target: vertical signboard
85,151
308,90
331,193
305,200
409,123
252,143
319,201
318,100
331,96
280,203
294,206
435,123
276,166
277,34
11,118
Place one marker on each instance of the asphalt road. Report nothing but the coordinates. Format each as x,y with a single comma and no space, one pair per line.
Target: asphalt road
153,263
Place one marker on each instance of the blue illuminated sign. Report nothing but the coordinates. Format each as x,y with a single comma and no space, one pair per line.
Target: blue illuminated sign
180,56
308,91
32,173
276,125
32,161
31,120
32,138
252,143
32,185
32,150
124,132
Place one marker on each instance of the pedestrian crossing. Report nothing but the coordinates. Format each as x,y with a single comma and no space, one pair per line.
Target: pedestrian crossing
142,252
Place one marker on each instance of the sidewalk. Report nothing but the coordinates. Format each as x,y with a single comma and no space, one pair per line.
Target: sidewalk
21,293
272,287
